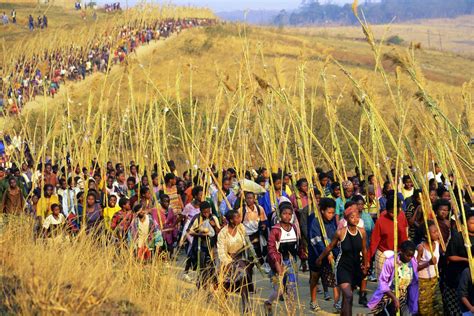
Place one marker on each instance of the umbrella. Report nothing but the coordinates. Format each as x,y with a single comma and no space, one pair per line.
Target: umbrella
251,186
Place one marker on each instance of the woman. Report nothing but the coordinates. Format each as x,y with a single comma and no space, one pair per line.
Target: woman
430,301
414,215
92,216
121,220
384,301
232,249
204,228
167,222
348,189
350,267
283,245
189,212
458,260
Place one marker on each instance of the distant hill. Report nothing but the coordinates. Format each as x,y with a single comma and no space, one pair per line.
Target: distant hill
313,12
251,16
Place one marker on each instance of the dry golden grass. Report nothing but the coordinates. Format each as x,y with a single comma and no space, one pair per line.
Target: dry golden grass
449,35
84,276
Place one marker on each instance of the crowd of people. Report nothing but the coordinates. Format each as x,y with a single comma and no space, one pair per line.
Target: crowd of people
4,19
343,234
112,7
45,72
41,22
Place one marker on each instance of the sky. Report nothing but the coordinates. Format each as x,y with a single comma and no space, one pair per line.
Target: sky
231,5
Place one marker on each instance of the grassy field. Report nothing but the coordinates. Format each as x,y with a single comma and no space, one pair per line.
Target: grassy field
449,35
59,18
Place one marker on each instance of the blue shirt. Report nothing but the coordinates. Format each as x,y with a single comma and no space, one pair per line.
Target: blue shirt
316,243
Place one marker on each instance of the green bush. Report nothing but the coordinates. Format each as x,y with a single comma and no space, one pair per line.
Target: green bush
395,40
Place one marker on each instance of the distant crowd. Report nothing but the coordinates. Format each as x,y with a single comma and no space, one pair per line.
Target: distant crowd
45,72
5,19
112,7
41,21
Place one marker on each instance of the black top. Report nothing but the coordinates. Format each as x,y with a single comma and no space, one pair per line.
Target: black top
466,289
456,248
350,249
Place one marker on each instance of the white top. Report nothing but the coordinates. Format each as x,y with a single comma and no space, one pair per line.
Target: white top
50,220
143,231
428,272
252,219
288,236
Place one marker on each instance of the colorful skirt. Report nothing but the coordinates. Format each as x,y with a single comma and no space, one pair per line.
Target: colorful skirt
430,301
378,263
386,301
328,278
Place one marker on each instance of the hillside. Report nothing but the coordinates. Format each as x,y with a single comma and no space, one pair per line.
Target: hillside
213,67
215,54
455,35
211,59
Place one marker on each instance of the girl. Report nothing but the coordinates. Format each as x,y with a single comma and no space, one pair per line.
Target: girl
110,211
121,220
167,223
430,301
204,229
93,214
144,235
171,190
53,223
282,250
301,200
349,273
384,301
317,245
232,248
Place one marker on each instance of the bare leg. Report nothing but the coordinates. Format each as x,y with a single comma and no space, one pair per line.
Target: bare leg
336,294
347,298
313,285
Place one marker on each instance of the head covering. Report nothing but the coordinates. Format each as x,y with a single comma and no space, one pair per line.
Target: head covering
204,205
371,189
351,209
347,185
285,205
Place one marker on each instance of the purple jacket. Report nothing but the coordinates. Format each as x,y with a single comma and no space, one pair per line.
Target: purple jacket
386,279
